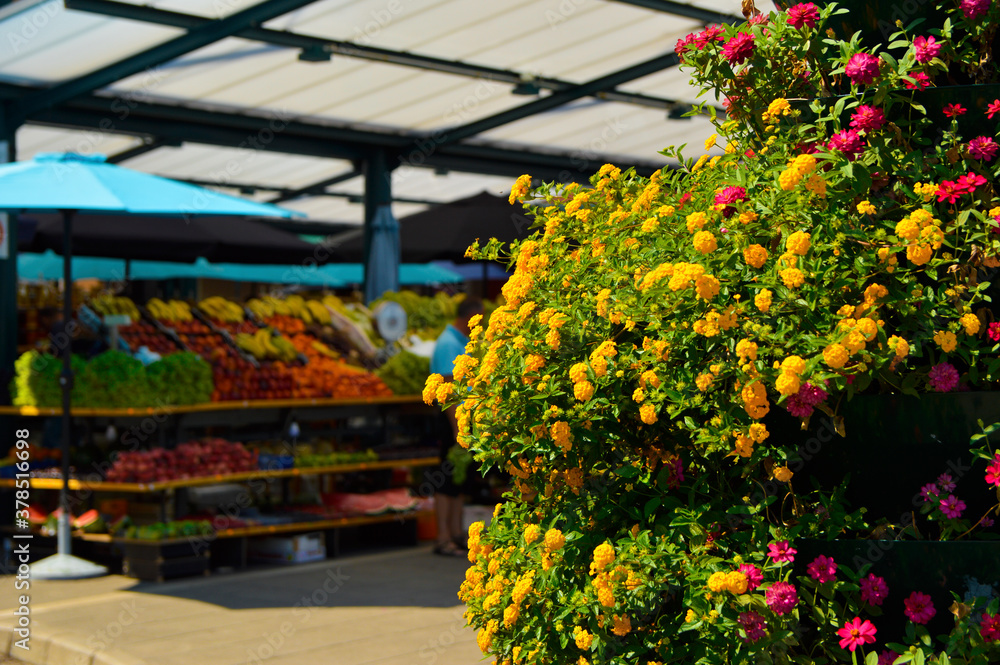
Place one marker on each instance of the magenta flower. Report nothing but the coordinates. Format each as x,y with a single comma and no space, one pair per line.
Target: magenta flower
921,81
986,522
803,14
753,574
873,590
887,657
712,33
848,142
781,552
989,627
993,471
823,569
926,49
856,633
949,191
954,110
729,196
929,492
683,44
867,118
952,507
946,482
943,378
862,68
972,9
993,332
781,597
739,49
993,108
969,183
919,608
753,625
984,148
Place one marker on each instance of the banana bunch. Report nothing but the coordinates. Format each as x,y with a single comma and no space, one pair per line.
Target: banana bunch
262,310
108,304
221,309
175,310
263,345
280,306
297,306
320,313
324,350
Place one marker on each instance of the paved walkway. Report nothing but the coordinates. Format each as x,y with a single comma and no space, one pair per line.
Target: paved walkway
394,608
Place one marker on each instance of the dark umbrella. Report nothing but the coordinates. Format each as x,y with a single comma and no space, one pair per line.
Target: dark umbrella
69,184
444,232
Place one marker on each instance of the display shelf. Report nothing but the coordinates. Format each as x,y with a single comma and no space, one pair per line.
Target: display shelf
318,525
208,406
100,486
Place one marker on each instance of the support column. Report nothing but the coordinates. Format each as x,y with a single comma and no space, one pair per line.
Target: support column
381,230
8,274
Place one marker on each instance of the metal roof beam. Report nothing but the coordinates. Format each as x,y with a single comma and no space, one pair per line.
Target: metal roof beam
316,187
372,53
248,188
687,11
148,145
560,98
209,33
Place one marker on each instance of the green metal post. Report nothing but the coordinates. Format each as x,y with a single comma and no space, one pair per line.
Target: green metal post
378,192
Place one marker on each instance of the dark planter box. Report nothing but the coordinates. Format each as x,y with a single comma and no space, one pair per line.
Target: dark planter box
967,568
894,445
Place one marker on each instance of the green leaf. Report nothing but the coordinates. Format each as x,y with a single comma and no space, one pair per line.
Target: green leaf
871,658
651,507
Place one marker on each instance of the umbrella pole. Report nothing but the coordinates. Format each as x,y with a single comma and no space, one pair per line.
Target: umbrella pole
63,565
66,381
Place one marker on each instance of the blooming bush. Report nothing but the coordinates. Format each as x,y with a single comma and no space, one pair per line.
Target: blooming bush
651,326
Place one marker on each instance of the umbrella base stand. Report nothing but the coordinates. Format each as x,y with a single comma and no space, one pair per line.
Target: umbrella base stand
65,567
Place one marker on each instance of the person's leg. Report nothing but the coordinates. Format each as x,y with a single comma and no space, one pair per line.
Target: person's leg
458,534
442,509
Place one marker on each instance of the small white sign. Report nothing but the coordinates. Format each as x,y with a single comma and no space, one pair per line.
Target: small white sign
4,252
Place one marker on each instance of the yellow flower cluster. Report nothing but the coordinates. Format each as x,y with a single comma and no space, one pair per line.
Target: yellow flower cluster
923,234
927,191
704,381
531,533
463,364
645,200
971,323
734,582
561,435
602,302
604,554
866,208
792,277
799,168
835,355
554,540
783,474
706,286
890,259
704,242
715,322
744,441
946,340
647,413
746,349
755,256
696,221
582,638
775,110
520,188
517,288
622,625
754,397
485,636
899,346
657,274
763,300
605,593
798,243
430,388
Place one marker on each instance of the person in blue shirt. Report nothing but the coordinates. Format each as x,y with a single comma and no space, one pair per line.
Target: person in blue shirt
453,485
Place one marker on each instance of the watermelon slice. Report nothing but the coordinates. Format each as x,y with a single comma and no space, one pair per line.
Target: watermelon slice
36,515
90,522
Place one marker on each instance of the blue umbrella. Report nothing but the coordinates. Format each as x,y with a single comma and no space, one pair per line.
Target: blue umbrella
68,183
49,266
382,268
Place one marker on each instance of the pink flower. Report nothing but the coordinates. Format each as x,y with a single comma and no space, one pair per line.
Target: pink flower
803,14
759,19
952,507
728,197
970,182
712,33
823,569
943,378
848,142
993,471
739,49
993,108
974,8
753,574
919,608
926,49
948,191
954,110
989,628
862,68
753,625
986,522
781,597
984,148
929,492
993,332
887,657
867,118
781,552
946,483
683,44
873,590
856,633
921,81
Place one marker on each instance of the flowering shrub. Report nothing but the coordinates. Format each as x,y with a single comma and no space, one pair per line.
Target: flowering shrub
653,324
